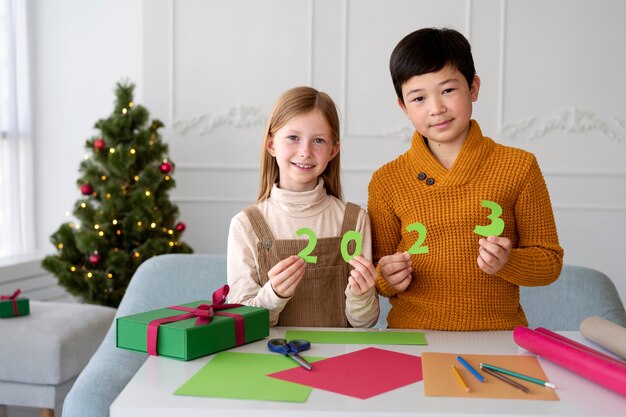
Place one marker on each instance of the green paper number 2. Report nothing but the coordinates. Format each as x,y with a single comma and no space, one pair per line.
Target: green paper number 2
497,224
306,252
347,237
417,247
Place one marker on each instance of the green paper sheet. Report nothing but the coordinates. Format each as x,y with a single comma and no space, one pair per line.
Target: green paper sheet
243,376
358,338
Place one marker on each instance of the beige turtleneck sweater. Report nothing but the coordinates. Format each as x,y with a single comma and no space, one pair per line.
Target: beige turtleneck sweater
285,212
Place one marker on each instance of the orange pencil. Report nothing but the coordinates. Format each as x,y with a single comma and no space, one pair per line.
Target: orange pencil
460,379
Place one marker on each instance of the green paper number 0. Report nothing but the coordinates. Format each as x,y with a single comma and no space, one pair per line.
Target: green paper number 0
358,239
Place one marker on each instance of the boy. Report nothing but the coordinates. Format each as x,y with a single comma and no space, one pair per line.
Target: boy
430,206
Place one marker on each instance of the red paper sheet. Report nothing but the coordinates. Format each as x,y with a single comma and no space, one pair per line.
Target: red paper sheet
361,374
607,373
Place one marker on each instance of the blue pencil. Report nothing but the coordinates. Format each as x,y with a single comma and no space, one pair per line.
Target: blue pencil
469,368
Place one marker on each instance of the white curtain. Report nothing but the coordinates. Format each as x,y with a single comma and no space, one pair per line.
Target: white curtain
17,234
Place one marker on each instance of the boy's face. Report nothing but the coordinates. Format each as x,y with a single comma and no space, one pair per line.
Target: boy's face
439,104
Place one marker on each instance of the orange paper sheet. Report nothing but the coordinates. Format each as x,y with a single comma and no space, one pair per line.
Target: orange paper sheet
440,381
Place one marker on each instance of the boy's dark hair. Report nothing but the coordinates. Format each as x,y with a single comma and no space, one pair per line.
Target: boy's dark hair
429,50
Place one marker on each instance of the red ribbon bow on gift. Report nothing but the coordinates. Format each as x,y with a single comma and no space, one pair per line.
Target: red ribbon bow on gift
13,299
204,313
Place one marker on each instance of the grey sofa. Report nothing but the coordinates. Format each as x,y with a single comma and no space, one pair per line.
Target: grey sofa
172,279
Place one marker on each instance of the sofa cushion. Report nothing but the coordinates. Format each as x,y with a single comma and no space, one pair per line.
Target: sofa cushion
53,343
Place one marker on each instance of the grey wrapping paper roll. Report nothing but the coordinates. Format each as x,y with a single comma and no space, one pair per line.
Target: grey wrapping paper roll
605,333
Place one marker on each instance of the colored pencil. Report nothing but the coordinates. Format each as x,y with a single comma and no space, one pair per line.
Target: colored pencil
460,379
518,375
470,368
505,379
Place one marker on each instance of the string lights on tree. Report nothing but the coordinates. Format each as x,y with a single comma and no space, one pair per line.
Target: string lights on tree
124,214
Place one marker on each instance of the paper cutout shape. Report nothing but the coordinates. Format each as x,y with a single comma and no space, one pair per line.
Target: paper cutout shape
244,376
496,227
358,240
439,381
361,374
417,247
358,338
306,252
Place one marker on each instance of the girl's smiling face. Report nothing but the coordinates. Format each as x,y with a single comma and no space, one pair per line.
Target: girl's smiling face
303,147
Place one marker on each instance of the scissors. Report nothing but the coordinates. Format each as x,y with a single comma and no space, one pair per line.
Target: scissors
291,349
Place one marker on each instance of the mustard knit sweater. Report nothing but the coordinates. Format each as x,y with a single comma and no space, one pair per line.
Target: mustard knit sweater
448,290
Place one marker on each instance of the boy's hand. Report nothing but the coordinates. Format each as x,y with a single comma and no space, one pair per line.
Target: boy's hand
363,277
286,275
396,270
493,253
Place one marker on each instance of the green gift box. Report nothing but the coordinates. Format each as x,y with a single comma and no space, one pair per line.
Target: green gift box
189,337
12,306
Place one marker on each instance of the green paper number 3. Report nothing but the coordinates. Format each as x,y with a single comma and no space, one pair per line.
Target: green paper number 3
497,224
347,237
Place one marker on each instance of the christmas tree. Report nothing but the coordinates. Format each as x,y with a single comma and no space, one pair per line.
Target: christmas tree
124,215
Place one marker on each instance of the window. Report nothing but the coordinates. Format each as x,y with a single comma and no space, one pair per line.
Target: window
16,169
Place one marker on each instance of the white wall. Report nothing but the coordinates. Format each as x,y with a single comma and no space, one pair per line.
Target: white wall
552,83
82,48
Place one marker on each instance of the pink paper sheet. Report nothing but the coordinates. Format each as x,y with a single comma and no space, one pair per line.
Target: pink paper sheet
361,374
609,374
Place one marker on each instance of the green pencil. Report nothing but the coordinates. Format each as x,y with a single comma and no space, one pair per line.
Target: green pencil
518,375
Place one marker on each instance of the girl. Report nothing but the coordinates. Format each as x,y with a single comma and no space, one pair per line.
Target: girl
299,206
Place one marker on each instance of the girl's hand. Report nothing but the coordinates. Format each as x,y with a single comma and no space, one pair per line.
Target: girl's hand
363,277
396,270
286,275
493,253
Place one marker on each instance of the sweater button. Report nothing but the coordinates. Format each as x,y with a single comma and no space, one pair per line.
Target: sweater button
421,176
430,181
267,243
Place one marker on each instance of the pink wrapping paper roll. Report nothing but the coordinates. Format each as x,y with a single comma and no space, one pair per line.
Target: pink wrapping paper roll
611,375
578,345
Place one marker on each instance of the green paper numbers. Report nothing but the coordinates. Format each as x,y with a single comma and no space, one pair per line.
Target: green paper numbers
494,228
417,247
306,252
358,239
497,224
347,237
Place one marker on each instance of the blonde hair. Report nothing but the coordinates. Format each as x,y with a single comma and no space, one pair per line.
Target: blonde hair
293,103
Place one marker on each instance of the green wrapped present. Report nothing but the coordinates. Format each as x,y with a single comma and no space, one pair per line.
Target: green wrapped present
192,330
11,306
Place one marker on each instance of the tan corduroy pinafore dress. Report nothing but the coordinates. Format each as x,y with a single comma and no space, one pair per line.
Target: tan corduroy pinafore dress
319,299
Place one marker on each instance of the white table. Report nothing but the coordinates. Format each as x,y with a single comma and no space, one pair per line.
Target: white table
149,393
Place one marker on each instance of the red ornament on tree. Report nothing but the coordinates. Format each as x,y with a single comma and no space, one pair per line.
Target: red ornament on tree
95,258
166,167
180,226
99,144
86,189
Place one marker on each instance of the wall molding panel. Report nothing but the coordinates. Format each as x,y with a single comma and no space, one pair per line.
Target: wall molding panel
537,93
239,117
573,120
